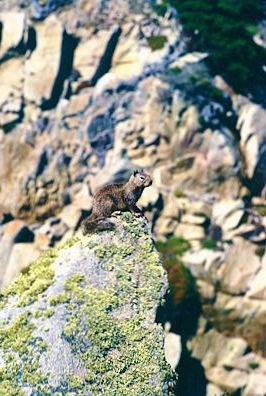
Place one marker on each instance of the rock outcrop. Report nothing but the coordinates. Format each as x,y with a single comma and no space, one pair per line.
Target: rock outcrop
81,319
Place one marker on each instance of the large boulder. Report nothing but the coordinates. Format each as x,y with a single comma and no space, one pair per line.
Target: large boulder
251,125
43,68
13,41
81,319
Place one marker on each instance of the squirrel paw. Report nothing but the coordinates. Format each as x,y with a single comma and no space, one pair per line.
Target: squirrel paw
117,213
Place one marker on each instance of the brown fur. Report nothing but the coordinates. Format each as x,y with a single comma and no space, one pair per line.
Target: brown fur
115,197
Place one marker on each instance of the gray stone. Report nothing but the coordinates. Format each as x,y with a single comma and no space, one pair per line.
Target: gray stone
12,38
102,296
42,68
240,267
257,288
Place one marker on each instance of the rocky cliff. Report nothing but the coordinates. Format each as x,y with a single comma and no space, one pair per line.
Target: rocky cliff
89,92
81,319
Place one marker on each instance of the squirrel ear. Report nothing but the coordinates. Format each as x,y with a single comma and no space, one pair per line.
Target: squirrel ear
135,172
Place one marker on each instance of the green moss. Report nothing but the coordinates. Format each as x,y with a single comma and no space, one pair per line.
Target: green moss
253,365
208,243
261,210
176,70
161,8
156,42
179,193
260,251
173,246
182,283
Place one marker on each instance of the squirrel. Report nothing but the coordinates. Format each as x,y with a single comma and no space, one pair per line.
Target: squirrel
115,197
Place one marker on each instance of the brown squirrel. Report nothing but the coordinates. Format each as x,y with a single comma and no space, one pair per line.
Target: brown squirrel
115,197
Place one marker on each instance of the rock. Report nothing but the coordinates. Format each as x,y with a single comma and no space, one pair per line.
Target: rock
256,385
212,156
164,227
16,249
206,291
11,102
12,39
128,59
257,288
94,58
240,267
149,197
6,245
107,82
188,125
19,231
214,349
54,229
204,263
231,381
189,231
43,67
193,219
240,316
71,215
191,57
250,362
172,347
251,123
228,213
84,312
213,390
21,256
76,104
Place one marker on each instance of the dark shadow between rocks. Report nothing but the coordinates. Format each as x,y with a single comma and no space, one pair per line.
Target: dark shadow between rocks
69,45
184,322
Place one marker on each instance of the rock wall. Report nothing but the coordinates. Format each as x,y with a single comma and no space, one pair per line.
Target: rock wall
81,319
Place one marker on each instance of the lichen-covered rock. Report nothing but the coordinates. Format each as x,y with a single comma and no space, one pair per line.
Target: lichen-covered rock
81,319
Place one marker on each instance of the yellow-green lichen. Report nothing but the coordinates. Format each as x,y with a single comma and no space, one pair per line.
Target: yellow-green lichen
36,278
125,355
28,286
122,355
60,298
21,354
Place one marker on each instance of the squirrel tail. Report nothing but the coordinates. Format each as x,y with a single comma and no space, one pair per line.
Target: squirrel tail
94,223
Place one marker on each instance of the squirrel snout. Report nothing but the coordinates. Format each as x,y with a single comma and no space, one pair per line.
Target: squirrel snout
149,182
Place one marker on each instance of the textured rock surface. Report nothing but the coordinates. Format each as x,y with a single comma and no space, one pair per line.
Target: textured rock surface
82,318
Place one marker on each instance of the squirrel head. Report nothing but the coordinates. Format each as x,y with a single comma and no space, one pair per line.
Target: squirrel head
141,179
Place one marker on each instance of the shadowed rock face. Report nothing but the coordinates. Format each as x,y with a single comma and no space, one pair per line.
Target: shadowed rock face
82,318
